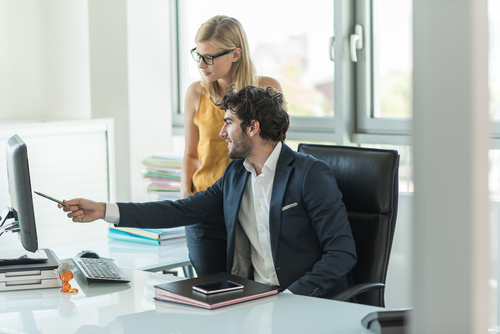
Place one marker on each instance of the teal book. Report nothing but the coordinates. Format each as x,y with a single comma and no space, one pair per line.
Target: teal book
157,234
124,236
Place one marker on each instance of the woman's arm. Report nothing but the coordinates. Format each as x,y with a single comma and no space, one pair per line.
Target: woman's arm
191,162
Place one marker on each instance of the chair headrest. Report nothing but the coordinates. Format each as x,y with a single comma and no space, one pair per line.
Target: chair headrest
362,174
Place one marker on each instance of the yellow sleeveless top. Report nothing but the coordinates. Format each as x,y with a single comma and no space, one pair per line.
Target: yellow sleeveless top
212,149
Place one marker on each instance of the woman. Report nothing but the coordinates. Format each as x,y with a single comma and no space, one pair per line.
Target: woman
223,59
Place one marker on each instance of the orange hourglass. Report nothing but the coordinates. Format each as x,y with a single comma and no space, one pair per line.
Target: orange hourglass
66,274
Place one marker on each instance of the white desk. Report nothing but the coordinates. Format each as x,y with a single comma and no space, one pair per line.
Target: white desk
130,308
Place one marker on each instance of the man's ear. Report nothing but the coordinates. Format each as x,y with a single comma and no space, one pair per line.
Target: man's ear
253,128
236,55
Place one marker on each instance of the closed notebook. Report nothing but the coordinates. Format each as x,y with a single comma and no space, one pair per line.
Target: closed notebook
182,291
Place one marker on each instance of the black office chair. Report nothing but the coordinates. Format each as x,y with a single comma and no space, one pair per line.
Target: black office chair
368,180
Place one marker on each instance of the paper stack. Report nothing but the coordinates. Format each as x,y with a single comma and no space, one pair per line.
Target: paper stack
162,174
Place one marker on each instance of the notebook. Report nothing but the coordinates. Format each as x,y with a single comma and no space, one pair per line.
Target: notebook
182,291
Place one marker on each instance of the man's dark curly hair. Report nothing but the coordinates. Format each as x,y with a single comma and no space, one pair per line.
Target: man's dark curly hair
265,105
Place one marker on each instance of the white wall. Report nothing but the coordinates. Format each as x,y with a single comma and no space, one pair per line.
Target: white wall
451,141
149,58
130,78
109,79
398,289
44,62
84,59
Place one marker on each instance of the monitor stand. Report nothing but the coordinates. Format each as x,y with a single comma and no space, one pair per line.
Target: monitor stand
15,258
20,256
8,213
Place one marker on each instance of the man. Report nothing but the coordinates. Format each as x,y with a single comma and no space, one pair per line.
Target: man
286,222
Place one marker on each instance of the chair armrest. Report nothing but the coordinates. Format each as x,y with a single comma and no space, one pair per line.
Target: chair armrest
357,289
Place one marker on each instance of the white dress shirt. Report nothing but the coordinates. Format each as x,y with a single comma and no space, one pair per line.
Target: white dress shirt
253,242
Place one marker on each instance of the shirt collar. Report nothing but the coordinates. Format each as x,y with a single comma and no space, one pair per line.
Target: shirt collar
270,163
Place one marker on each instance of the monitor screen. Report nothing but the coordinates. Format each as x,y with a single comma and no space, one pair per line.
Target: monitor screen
20,192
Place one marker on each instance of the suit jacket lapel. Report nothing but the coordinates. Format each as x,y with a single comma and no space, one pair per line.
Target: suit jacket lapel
237,187
283,170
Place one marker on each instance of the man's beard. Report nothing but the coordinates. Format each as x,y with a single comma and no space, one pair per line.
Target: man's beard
241,148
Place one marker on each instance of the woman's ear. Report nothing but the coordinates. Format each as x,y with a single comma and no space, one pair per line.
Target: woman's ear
236,55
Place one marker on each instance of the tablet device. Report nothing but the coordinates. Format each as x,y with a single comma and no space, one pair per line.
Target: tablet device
217,287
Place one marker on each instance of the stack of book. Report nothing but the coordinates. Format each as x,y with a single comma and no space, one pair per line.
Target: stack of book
23,276
146,235
162,174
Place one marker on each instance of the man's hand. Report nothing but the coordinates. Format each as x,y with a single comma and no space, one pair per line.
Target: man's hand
83,210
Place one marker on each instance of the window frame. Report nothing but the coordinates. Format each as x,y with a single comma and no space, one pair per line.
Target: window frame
353,87
367,126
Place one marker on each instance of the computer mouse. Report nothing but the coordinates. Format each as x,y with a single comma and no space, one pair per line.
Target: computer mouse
88,254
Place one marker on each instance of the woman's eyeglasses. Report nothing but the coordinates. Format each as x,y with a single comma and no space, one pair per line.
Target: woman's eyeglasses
209,60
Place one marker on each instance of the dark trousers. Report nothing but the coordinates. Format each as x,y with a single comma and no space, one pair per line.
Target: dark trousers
207,244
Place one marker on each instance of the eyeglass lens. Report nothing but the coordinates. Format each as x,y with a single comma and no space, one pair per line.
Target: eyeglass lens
197,57
206,59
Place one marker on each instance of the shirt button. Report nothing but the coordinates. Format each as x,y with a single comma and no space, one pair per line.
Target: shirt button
268,255
261,230
274,275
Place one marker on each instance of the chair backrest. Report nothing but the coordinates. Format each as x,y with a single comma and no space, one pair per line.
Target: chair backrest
368,180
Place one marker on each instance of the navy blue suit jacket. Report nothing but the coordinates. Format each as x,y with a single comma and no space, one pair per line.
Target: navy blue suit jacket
312,245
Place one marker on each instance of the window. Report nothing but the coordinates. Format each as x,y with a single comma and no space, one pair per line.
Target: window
392,59
384,66
297,54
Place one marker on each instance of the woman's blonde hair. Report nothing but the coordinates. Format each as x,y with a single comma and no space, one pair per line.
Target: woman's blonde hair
227,33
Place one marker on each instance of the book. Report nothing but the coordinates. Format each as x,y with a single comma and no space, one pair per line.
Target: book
166,184
175,181
124,236
162,174
182,291
161,187
167,156
164,163
151,233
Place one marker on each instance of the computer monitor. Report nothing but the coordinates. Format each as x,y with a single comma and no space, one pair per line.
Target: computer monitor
20,195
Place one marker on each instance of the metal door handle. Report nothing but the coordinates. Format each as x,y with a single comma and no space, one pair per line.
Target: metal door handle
332,48
356,42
